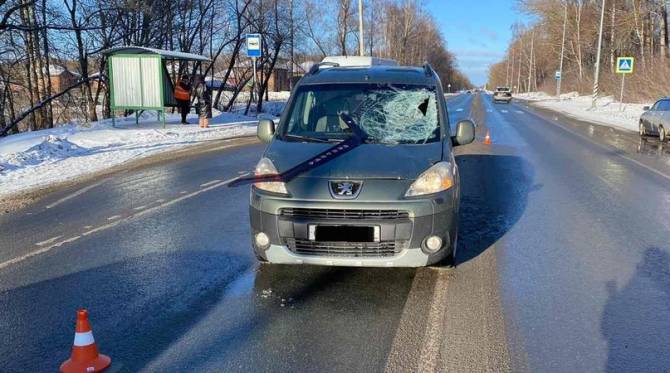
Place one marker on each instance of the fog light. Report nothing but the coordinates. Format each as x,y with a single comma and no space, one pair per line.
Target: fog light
432,244
262,240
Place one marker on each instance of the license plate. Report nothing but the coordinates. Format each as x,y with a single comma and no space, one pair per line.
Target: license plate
344,233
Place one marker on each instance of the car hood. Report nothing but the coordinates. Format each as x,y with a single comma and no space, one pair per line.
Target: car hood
364,162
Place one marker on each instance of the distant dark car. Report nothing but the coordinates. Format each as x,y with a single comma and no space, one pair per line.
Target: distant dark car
502,94
656,120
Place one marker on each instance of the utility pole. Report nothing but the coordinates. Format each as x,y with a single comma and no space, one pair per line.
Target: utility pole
292,36
530,63
361,46
600,43
560,67
511,72
518,77
507,72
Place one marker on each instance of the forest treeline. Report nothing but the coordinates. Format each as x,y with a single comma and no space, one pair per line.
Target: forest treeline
637,28
42,36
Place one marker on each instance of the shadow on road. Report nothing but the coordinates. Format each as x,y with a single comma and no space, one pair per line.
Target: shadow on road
653,147
494,194
138,308
636,318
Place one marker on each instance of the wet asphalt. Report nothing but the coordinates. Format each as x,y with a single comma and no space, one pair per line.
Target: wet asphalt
563,265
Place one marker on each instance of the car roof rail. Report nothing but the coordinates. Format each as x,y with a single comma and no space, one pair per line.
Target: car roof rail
317,66
428,70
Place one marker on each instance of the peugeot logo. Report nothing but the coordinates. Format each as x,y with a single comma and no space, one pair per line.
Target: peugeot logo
345,189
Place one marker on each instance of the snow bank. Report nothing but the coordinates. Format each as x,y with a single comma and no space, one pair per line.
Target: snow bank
608,111
36,159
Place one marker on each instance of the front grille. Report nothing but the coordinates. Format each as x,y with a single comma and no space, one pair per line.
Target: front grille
335,214
342,249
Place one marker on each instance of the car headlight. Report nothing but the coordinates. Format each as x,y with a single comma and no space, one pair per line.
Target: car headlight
265,167
435,179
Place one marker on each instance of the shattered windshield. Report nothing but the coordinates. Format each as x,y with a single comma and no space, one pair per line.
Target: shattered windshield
389,114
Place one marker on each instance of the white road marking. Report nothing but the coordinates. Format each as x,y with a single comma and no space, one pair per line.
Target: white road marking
459,109
433,337
50,240
519,112
209,183
160,200
88,226
489,111
183,192
114,223
406,353
504,111
75,194
35,253
140,207
114,217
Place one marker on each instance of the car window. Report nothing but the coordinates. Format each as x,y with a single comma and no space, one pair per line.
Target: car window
664,105
656,106
391,114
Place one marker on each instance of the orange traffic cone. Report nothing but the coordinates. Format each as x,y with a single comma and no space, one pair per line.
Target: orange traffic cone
487,139
85,357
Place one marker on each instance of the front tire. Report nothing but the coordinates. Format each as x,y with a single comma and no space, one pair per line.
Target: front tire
662,136
454,251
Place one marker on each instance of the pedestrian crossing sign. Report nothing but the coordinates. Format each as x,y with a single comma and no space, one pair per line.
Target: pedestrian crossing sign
624,65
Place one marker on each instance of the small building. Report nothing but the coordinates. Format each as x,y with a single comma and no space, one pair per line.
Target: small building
139,78
279,78
61,78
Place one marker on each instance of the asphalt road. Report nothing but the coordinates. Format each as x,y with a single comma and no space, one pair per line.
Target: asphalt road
563,265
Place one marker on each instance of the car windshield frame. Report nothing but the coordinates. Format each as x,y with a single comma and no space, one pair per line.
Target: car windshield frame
284,134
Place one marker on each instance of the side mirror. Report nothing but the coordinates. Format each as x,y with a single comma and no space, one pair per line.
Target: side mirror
266,130
465,133
646,108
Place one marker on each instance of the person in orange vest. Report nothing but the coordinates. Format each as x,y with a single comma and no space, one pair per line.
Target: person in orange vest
182,93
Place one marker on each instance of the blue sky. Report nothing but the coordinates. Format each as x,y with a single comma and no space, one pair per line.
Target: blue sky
477,31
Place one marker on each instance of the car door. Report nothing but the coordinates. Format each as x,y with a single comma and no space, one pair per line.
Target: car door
663,114
650,118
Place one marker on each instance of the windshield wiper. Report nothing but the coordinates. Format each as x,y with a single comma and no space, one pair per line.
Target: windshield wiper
356,130
306,138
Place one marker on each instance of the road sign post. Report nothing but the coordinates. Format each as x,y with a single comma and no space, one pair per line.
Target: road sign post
254,51
624,65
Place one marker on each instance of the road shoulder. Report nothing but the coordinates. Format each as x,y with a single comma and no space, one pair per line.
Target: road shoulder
646,152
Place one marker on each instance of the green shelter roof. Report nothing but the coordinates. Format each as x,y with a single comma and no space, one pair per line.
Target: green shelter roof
165,54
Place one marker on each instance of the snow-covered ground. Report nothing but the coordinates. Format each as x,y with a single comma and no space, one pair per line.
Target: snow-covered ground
37,159
608,111
33,160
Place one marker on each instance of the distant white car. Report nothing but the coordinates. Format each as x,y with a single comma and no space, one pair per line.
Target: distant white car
502,94
656,120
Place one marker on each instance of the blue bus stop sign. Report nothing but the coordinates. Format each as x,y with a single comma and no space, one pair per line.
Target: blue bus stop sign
254,45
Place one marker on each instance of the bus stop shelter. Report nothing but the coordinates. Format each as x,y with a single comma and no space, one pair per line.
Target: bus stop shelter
139,79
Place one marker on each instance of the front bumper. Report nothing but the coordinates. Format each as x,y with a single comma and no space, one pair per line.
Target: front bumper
405,233
502,98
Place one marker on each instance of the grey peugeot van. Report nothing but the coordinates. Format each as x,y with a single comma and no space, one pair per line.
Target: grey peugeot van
359,170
